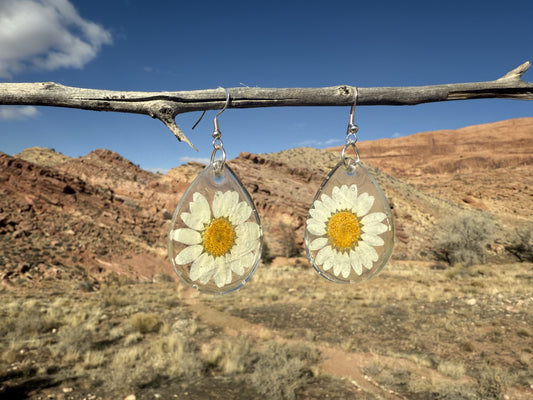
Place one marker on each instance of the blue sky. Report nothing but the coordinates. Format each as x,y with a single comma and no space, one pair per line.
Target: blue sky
187,45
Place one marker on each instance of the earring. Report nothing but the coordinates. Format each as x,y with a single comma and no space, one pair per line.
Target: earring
215,237
349,233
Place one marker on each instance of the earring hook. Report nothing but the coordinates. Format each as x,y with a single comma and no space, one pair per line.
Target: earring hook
217,142
215,120
351,138
216,116
352,128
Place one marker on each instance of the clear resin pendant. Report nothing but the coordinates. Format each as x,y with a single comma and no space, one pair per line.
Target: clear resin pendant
215,236
349,233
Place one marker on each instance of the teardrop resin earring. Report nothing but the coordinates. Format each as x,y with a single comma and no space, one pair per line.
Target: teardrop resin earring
349,233
215,236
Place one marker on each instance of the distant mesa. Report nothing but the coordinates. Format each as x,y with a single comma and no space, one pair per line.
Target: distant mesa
503,144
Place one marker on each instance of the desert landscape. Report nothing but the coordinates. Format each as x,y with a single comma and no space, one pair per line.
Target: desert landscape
91,308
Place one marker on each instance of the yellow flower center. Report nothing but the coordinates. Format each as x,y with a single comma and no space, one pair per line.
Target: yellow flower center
218,237
343,230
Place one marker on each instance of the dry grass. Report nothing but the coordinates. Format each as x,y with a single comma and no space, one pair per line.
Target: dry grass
417,331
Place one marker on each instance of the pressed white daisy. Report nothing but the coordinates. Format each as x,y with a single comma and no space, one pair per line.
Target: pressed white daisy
218,238
345,232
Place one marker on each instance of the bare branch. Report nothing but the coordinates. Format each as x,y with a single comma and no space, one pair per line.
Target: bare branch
165,106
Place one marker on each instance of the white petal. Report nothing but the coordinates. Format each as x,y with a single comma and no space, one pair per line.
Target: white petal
318,243
346,269
247,231
315,227
320,214
207,271
323,255
373,218
362,256
240,213
351,196
342,262
337,268
245,262
220,275
243,247
200,266
367,254
189,254
227,271
328,203
186,236
224,203
318,205
199,215
372,240
355,262
237,266
194,221
328,264
340,196
364,204
375,229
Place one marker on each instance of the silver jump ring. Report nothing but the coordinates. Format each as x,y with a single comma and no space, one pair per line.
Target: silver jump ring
217,142
218,164
349,162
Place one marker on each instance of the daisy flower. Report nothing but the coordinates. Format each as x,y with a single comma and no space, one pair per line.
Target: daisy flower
346,234
218,238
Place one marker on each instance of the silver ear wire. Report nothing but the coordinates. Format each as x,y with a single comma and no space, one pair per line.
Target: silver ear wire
351,137
352,128
215,121
217,142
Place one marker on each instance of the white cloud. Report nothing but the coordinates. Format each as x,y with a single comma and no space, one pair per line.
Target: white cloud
195,159
315,142
46,35
396,135
333,141
18,112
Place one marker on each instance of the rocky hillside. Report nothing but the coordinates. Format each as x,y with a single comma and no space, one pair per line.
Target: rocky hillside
488,167
56,225
99,215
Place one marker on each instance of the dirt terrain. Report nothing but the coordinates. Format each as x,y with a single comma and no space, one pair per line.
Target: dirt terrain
91,308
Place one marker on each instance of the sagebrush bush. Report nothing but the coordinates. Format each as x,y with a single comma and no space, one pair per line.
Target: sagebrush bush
522,246
145,322
150,362
289,246
232,356
463,239
281,370
266,255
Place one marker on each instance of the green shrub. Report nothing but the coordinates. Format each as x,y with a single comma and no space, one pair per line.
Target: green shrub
463,239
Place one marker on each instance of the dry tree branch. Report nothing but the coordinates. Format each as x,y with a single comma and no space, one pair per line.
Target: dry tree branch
165,106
